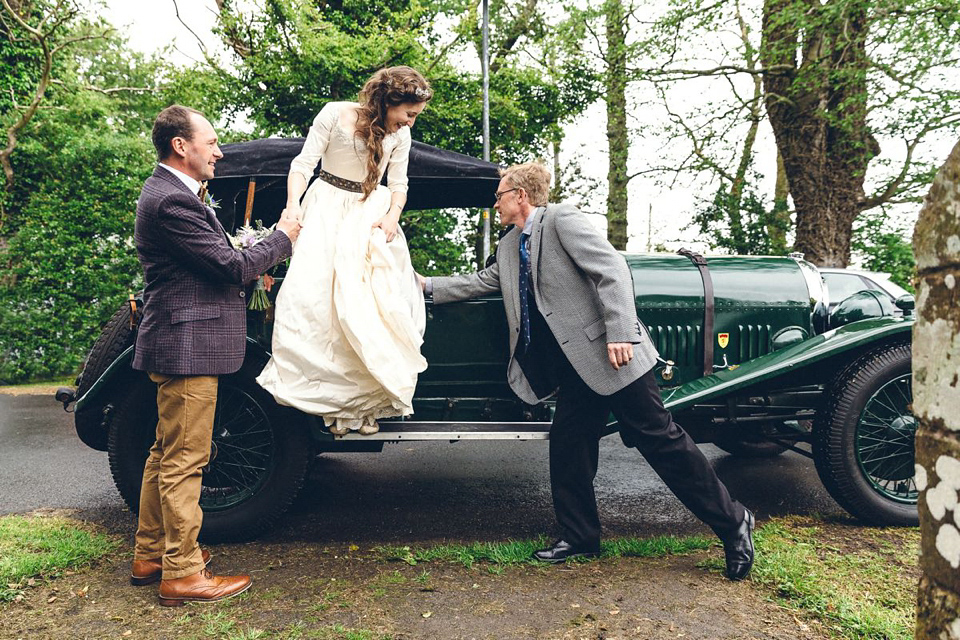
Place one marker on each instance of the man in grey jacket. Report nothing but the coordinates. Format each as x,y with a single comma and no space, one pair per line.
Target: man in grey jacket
570,307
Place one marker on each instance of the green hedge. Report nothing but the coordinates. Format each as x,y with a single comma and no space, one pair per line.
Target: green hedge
71,261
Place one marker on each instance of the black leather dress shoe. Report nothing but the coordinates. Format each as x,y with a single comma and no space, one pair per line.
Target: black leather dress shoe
562,550
738,548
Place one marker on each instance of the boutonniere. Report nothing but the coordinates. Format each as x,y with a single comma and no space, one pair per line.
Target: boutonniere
206,198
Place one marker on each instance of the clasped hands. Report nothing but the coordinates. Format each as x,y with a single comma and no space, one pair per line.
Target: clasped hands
289,221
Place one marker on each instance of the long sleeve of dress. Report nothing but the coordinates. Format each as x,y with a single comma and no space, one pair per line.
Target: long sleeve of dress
399,160
316,143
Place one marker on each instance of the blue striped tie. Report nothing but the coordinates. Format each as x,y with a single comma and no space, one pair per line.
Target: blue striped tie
524,289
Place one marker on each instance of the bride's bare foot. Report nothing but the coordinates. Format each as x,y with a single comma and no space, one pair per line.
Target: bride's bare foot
370,429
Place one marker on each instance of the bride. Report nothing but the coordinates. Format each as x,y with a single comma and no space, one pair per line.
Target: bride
350,314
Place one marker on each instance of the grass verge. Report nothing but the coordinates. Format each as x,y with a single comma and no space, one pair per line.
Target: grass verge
35,548
38,387
859,582
198,626
517,552
862,587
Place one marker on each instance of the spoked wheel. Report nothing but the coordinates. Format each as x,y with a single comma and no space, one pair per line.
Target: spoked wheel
864,440
884,441
258,462
243,452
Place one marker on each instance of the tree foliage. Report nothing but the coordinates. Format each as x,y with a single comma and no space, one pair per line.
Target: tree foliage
67,258
599,38
855,90
761,228
72,260
884,247
293,56
66,254
843,83
36,36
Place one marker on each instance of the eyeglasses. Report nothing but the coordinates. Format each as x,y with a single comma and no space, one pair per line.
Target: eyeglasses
500,194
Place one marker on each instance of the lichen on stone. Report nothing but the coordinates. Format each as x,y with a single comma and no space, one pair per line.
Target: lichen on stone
920,477
940,499
948,544
933,396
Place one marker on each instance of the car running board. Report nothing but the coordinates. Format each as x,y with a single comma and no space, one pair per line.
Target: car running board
409,430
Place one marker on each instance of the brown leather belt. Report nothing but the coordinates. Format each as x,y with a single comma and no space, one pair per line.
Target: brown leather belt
340,183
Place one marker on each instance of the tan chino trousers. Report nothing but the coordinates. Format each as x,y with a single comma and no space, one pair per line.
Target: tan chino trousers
170,514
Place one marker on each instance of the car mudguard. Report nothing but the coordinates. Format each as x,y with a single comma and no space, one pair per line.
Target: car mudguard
787,361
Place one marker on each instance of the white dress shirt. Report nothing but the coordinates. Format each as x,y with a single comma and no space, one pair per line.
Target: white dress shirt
192,184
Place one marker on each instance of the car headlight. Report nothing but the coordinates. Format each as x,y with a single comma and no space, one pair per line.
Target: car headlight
819,296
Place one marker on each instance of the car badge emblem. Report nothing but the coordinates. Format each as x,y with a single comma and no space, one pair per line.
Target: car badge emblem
723,339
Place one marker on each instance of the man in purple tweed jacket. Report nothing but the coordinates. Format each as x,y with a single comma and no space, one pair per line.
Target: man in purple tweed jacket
193,330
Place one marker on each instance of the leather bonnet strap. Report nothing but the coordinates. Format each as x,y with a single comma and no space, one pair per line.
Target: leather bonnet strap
708,307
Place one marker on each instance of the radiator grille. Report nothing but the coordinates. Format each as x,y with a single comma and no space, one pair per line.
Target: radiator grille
681,343
684,343
754,341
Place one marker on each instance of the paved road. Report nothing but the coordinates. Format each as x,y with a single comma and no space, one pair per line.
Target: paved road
411,492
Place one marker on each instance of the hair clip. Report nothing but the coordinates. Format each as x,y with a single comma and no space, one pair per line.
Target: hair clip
423,94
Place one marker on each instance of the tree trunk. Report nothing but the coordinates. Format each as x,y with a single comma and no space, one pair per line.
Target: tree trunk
557,191
735,202
617,142
936,403
818,113
481,259
781,212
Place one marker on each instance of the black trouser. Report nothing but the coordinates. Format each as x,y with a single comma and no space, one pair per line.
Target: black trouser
645,424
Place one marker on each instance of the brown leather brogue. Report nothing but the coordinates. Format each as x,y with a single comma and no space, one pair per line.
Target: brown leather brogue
149,571
201,587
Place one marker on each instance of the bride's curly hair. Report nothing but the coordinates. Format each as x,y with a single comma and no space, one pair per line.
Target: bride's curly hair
386,88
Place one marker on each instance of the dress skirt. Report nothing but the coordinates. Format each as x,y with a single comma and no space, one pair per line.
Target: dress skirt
350,315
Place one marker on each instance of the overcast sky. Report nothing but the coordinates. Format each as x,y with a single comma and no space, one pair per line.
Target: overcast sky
151,25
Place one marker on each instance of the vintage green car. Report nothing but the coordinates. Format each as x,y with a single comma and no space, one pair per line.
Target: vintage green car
751,361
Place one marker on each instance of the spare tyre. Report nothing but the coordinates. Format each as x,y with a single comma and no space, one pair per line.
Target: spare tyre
117,335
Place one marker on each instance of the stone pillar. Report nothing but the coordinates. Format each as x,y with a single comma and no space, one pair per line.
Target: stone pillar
936,403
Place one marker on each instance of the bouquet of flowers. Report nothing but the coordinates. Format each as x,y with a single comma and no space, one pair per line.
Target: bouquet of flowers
244,238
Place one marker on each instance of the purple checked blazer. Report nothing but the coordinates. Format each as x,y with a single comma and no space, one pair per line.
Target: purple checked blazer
194,309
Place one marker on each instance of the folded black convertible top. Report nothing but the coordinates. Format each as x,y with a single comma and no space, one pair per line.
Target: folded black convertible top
438,178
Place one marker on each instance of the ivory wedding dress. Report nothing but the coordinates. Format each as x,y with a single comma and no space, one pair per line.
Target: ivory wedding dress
350,313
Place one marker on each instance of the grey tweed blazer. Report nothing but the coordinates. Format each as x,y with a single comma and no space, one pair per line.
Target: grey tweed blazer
194,309
583,289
